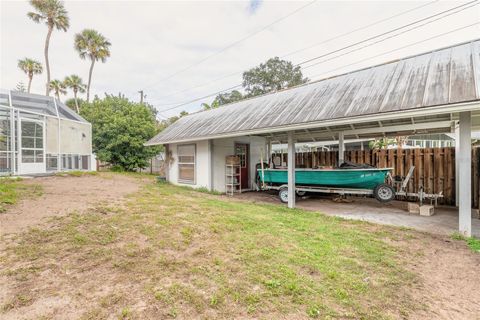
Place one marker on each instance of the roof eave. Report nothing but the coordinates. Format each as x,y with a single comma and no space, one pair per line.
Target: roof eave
448,108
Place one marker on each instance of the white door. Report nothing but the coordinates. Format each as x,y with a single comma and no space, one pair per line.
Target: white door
32,150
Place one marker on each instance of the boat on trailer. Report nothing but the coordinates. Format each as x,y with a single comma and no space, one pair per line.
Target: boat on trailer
343,181
351,179
338,178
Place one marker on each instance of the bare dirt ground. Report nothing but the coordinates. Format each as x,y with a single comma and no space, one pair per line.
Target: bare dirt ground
62,195
448,271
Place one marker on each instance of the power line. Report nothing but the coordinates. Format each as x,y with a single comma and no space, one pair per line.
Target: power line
201,98
400,48
359,29
359,42
388,32
309,47
232,44
372,57
389,37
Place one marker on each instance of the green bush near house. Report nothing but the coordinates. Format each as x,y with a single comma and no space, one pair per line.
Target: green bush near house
120,128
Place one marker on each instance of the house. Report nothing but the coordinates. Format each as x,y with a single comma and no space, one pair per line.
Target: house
39,135
433,92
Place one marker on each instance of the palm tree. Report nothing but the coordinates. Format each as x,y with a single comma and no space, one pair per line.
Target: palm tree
75,83
58,87
53,13
92,44
30,67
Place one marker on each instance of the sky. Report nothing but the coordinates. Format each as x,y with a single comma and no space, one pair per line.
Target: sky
177,52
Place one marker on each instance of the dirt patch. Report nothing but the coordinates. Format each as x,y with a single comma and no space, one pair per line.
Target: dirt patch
62,195
449,274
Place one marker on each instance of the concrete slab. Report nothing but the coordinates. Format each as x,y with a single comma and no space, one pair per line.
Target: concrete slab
445,220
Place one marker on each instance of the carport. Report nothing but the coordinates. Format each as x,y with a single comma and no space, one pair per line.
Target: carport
434,92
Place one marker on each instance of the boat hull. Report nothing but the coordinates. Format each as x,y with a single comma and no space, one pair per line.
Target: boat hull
335,178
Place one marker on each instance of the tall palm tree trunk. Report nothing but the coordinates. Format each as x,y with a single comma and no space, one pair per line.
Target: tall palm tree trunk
30,76
76,100
90,80
47,63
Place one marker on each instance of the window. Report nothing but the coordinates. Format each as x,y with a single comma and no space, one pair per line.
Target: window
241,152
186,163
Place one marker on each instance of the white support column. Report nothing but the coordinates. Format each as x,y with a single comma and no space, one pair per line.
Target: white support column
269,155
464,159
341,148
457,153
166,160
210,165
291,170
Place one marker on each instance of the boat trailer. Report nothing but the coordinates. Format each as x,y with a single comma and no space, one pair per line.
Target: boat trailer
396,186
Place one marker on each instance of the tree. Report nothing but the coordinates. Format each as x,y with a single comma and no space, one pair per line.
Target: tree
72,103
58,87
120,128
273,75
75,83
53,13
94,46
30,67
381,143
162,125
21,87
229,97
212,105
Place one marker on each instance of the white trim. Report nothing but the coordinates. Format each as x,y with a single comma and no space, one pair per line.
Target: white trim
452,108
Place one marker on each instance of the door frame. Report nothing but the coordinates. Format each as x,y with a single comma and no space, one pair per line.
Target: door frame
42,167
247,162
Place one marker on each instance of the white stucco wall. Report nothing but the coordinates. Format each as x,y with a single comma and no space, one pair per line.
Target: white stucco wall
220,149
225,147
75,137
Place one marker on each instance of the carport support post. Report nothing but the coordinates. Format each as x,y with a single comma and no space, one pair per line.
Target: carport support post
457,153
291,170
464,158
341,148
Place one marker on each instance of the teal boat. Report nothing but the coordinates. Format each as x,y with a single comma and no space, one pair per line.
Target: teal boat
333,178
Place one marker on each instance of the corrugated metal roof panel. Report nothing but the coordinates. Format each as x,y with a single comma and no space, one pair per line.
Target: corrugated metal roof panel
441,77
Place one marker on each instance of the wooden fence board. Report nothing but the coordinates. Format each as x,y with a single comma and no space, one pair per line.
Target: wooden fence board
434,167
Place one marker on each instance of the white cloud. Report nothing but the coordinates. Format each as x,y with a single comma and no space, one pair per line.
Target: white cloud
153,39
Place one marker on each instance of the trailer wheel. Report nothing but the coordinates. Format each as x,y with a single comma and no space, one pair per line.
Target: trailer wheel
384,193
301,193
283,195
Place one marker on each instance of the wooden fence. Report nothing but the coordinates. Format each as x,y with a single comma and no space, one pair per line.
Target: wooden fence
434,167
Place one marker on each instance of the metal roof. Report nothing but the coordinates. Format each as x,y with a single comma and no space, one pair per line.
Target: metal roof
442,77
38,104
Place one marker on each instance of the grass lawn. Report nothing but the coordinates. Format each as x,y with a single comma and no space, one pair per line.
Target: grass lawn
11,190
172,252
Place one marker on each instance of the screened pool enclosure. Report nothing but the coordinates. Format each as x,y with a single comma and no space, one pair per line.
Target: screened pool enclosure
39,134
